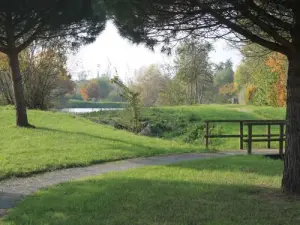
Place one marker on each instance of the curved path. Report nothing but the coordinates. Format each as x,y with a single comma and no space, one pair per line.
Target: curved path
15,189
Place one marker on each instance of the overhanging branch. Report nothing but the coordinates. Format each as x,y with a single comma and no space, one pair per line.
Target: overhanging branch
244,32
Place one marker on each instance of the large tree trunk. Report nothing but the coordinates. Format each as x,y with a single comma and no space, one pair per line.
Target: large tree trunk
21,112
291,175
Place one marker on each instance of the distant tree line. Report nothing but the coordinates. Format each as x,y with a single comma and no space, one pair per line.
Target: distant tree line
191,79
97,89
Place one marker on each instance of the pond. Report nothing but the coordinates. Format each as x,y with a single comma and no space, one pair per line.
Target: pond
87,110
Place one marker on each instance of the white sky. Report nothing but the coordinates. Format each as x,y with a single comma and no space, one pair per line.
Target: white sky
111,52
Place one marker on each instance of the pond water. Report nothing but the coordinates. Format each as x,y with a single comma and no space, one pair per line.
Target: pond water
87,110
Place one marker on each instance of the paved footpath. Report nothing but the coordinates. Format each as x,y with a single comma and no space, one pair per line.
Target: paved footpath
14,190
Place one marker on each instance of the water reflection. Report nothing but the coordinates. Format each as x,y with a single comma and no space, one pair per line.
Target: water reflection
87,110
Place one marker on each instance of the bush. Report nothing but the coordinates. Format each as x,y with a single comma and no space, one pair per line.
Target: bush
197,131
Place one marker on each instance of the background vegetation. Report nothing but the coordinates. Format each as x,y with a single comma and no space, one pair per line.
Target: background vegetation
186,123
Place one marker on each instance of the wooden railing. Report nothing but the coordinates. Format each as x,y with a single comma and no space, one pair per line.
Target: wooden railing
277,137
250,137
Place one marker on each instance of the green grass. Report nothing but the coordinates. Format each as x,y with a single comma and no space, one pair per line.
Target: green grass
87,104
185,123
62,140
224,191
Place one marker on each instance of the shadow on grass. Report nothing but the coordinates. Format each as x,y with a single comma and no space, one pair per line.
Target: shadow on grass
142,147
244,164
103,149
129,200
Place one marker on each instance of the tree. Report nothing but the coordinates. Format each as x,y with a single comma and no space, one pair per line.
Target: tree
174,94
6,91
90,90
104,86
194,68
22,22
228,90
278,65
84,93
133,100
150,82
224,74
115,94
264,75
45,76
168,88
274,24
242,76
223,79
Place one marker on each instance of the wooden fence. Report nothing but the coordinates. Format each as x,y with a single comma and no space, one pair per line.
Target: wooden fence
250,137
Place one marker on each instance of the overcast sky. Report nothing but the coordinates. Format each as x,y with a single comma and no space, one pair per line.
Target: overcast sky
112,52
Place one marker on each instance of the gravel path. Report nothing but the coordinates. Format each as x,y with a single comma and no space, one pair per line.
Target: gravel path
14,190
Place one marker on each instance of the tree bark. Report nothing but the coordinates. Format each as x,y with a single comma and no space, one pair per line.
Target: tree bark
21,117
291,174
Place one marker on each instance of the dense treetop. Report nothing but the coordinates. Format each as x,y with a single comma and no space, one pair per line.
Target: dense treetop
23,21
270,23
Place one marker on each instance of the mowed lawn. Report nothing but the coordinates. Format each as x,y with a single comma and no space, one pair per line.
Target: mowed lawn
239,190
62,140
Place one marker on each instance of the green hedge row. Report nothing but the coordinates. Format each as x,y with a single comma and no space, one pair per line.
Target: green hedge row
83,104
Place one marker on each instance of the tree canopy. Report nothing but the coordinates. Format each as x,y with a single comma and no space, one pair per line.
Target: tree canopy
268,23
22,22
194,69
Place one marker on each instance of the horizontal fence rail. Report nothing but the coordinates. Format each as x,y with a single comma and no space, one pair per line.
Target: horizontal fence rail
250,137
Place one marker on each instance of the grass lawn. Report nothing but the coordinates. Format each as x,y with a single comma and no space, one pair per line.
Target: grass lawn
62,140
185,123
224,191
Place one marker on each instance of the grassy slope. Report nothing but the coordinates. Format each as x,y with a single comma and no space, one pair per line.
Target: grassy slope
64,141
182,122
223,191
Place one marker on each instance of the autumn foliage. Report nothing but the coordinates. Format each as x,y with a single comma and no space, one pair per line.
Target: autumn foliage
278,65
90,91
84,94
227,89
250,92
261,78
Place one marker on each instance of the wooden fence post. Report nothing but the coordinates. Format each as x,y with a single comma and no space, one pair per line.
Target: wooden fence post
281,140
206,133
249,139
241,135
269,135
